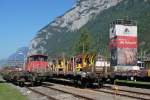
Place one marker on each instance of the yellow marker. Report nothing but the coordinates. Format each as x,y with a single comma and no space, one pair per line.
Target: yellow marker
78,67
62,64
84,64
116,88
149,73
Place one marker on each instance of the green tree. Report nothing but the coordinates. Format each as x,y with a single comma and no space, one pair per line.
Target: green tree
84,42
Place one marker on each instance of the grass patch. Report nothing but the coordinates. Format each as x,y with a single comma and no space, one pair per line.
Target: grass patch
10,93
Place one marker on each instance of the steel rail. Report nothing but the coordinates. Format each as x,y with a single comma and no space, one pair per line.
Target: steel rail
42,94
121,94
76,95
108,87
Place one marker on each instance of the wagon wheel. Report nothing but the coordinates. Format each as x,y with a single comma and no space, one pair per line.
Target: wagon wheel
33,81
21,82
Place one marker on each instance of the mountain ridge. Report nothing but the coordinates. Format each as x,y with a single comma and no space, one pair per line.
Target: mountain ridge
71,21
55,40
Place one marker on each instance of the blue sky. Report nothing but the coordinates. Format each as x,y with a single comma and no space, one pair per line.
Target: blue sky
21,19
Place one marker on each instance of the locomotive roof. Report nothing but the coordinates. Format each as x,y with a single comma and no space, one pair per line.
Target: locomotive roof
38,55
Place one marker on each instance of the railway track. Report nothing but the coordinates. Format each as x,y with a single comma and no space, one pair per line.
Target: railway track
125,93
41,93
76,95
107,89
111,91
119,92
44,93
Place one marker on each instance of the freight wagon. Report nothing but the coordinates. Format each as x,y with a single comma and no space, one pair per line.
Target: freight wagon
80,69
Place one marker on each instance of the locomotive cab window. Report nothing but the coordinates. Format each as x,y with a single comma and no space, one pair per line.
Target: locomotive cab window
38,58
60,69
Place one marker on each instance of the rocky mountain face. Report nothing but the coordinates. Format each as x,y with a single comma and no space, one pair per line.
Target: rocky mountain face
81,13
60,35
73,20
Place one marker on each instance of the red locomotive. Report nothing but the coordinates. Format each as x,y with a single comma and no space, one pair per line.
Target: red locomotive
36,63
